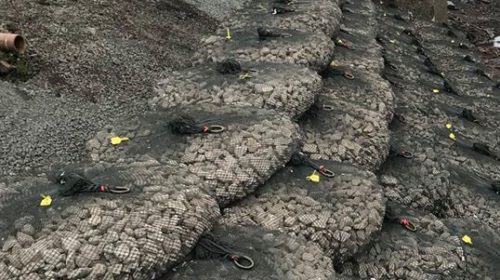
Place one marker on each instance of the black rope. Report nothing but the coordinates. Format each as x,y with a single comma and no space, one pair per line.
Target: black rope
467,114
209,247
265,33
228,66
431,67
74,183
469,58
484,150
495,186
449,88
279,10
185,125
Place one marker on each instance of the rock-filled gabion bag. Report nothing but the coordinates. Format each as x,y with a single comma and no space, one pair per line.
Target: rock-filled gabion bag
275,255
264,44
234,149
344,132
304,15
340,213
361,88
411,245
473,195
283,87
94,229
358,51
482,256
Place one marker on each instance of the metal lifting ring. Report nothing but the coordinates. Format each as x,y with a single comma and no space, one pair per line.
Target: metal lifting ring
118,190
348,75
326,172
328,107
408,225
215,128
406,154
236,261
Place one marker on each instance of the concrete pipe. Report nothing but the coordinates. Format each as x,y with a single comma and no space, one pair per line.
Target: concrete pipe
12,43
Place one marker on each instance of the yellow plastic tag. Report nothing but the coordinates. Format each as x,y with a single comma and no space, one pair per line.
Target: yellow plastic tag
452,136
467,240
245,76
228,34
118,140
314,177
448,126
436,91
46,200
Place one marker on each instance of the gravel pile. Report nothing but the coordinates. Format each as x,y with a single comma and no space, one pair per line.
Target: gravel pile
38,130
311,49
306,15
101,57
344,132
276,256
283,87
254,144
430,252
109,236
340,214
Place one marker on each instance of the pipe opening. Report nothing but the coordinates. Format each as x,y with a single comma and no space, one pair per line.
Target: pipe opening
20,44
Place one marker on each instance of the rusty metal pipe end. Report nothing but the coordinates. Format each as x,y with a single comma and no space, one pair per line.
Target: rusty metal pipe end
12,43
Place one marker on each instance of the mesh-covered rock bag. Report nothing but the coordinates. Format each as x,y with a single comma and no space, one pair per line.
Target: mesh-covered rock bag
311,49
341,131
275,255
429,252
103,235
363,88
303,15
254,144
481,258
358,51
340,214
362,23
282,87
473,195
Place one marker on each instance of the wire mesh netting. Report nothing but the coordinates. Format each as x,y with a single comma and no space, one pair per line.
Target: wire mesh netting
265,44
364,89
299,15
483,255
339,214
341,131
420,248
254,144
285,88
358,23
275,256
88,231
